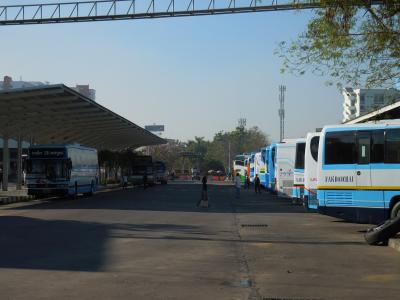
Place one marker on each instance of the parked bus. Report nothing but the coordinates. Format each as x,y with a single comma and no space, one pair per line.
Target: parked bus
61,170
264,177
259,167
298,183
251,167
239,167
284,166
160,172
359,171
310,170
271,159
142,166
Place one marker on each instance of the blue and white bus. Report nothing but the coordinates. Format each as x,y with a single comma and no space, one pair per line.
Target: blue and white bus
359,171
310,170
284,166
298,183
271,167
61,170
264,176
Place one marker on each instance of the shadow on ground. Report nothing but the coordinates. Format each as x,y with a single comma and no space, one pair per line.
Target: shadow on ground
178,198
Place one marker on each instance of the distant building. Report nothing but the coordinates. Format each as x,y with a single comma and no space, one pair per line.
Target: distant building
8,83
361,101
85,90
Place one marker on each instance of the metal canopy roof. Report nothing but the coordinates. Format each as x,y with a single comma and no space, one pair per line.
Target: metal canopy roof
59,114
391,111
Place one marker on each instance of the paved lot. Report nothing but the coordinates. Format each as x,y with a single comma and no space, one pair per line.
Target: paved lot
155,244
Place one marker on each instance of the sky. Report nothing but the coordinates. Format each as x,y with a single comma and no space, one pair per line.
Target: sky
195,75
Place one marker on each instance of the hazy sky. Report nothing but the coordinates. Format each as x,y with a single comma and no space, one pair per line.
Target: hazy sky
196,75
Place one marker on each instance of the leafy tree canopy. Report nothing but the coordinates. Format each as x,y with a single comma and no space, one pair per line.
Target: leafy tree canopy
352,42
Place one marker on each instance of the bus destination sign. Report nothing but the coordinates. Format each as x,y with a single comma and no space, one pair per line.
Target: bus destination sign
47,153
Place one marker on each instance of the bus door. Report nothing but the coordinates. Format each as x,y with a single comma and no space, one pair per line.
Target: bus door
363,168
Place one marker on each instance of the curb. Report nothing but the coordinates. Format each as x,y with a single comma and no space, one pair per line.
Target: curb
395,243
15,199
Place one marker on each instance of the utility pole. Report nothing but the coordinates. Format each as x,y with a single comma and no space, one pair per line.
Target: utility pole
281,111
241,126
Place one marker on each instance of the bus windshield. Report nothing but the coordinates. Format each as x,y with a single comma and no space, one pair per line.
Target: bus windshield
51,168
239,163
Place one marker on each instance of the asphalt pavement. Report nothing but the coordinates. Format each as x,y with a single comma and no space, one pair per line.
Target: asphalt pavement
156,244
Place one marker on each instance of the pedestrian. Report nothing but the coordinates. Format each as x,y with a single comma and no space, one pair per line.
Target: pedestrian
203,202
257,184
125,182
238,185
145,180
247,186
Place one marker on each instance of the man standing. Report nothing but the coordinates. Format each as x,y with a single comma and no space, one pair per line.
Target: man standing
203,202
257,184
238,185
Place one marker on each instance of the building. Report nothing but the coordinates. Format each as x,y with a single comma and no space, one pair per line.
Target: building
358,102
8,83
85,90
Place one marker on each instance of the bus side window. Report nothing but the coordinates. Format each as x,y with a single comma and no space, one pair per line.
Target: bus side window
377,146
364,147
392,149
340,148
314,144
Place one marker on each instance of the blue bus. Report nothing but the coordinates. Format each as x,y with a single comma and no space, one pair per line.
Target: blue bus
61,170
298,183
264,177
271,167
359,171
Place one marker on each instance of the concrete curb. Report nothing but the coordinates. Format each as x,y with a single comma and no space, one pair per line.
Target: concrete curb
395,243
14,199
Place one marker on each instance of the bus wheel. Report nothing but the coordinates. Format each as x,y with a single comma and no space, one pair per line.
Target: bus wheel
91,192
76,190
395,212
305,204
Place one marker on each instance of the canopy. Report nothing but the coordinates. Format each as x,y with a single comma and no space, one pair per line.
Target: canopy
57,114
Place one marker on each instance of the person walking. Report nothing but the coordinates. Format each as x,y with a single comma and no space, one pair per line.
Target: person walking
257,184
203,202
238,185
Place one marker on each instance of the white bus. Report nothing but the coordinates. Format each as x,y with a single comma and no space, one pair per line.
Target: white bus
61,170
284,167
310,170
359,171
259,166
239,167
298,183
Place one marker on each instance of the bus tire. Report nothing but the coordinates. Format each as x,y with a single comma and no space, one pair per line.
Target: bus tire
380,235
395,211
91,192
76,190
305,203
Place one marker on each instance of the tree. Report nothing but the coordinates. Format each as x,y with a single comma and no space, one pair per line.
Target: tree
352,42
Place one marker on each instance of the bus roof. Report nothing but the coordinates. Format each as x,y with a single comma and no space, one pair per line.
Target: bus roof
370,125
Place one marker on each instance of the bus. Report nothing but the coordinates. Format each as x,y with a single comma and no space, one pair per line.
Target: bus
359,171
142,165
298,183
284,166
239,167
310,200
160,172
264,176
259,167
61,170
250,167
271,167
